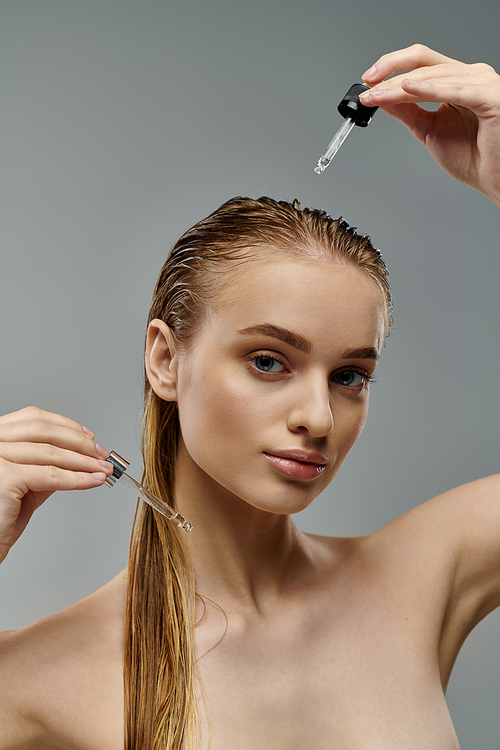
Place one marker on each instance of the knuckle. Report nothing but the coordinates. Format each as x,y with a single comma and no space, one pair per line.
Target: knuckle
53,472
50,452
81,479
485,68
32,411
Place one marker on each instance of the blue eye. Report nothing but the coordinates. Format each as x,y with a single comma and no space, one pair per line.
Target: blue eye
267,364
350,378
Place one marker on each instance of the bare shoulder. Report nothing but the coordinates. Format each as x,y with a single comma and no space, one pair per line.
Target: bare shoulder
63,670
459,528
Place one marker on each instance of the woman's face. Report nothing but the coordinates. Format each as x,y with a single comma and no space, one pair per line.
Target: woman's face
273,391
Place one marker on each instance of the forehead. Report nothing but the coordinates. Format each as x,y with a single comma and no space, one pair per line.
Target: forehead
325,300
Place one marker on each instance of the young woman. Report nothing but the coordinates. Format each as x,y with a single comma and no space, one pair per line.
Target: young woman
265,329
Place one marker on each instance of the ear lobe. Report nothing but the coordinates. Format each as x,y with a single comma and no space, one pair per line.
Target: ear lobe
161,360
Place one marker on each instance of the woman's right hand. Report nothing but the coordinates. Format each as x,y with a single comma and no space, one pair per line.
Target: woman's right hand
40,453
464,133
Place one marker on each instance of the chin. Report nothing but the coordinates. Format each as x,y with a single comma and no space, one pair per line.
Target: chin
287,499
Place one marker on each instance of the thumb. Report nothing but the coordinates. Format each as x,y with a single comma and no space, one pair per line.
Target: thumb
418,121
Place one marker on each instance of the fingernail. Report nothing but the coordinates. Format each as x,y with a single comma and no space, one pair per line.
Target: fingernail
88,432
365,97
370,73
101,451
100,475
377,93
106,465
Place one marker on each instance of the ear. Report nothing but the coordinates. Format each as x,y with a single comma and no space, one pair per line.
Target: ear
161,360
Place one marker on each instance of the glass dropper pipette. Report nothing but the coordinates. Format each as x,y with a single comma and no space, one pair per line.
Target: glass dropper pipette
354,113
334,145
119,465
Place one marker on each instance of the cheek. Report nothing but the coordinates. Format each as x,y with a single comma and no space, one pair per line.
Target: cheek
218,418
349,424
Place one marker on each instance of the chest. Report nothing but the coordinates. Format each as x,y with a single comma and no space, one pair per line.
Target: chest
354,671
361,681
344,693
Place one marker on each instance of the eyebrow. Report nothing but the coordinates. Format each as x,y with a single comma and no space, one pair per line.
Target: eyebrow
365,352
302,344
283,334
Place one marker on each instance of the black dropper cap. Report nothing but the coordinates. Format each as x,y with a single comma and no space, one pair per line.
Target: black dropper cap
350,106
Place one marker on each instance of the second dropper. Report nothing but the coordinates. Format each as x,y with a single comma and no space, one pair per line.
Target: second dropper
354,113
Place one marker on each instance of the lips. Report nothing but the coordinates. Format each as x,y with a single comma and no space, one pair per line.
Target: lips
300,455
298,464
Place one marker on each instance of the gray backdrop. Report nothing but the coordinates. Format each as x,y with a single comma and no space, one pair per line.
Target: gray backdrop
124,122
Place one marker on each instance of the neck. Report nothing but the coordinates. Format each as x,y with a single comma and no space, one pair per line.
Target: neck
242,556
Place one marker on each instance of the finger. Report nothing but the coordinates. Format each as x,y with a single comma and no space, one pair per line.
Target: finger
19,479
33,412
41,430
416,56
480,94
45,454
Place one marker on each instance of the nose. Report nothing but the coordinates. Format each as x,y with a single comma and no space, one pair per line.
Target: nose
311,410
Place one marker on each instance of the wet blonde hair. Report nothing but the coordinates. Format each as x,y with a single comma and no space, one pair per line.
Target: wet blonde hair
161,704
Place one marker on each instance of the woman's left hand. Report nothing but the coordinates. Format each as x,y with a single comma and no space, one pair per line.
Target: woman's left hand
463,135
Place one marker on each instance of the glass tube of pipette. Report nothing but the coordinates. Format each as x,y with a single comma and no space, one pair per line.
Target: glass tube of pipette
334,145
155,502
119,465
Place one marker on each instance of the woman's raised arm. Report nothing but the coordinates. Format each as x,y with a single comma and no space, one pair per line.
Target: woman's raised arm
40,453
463,135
